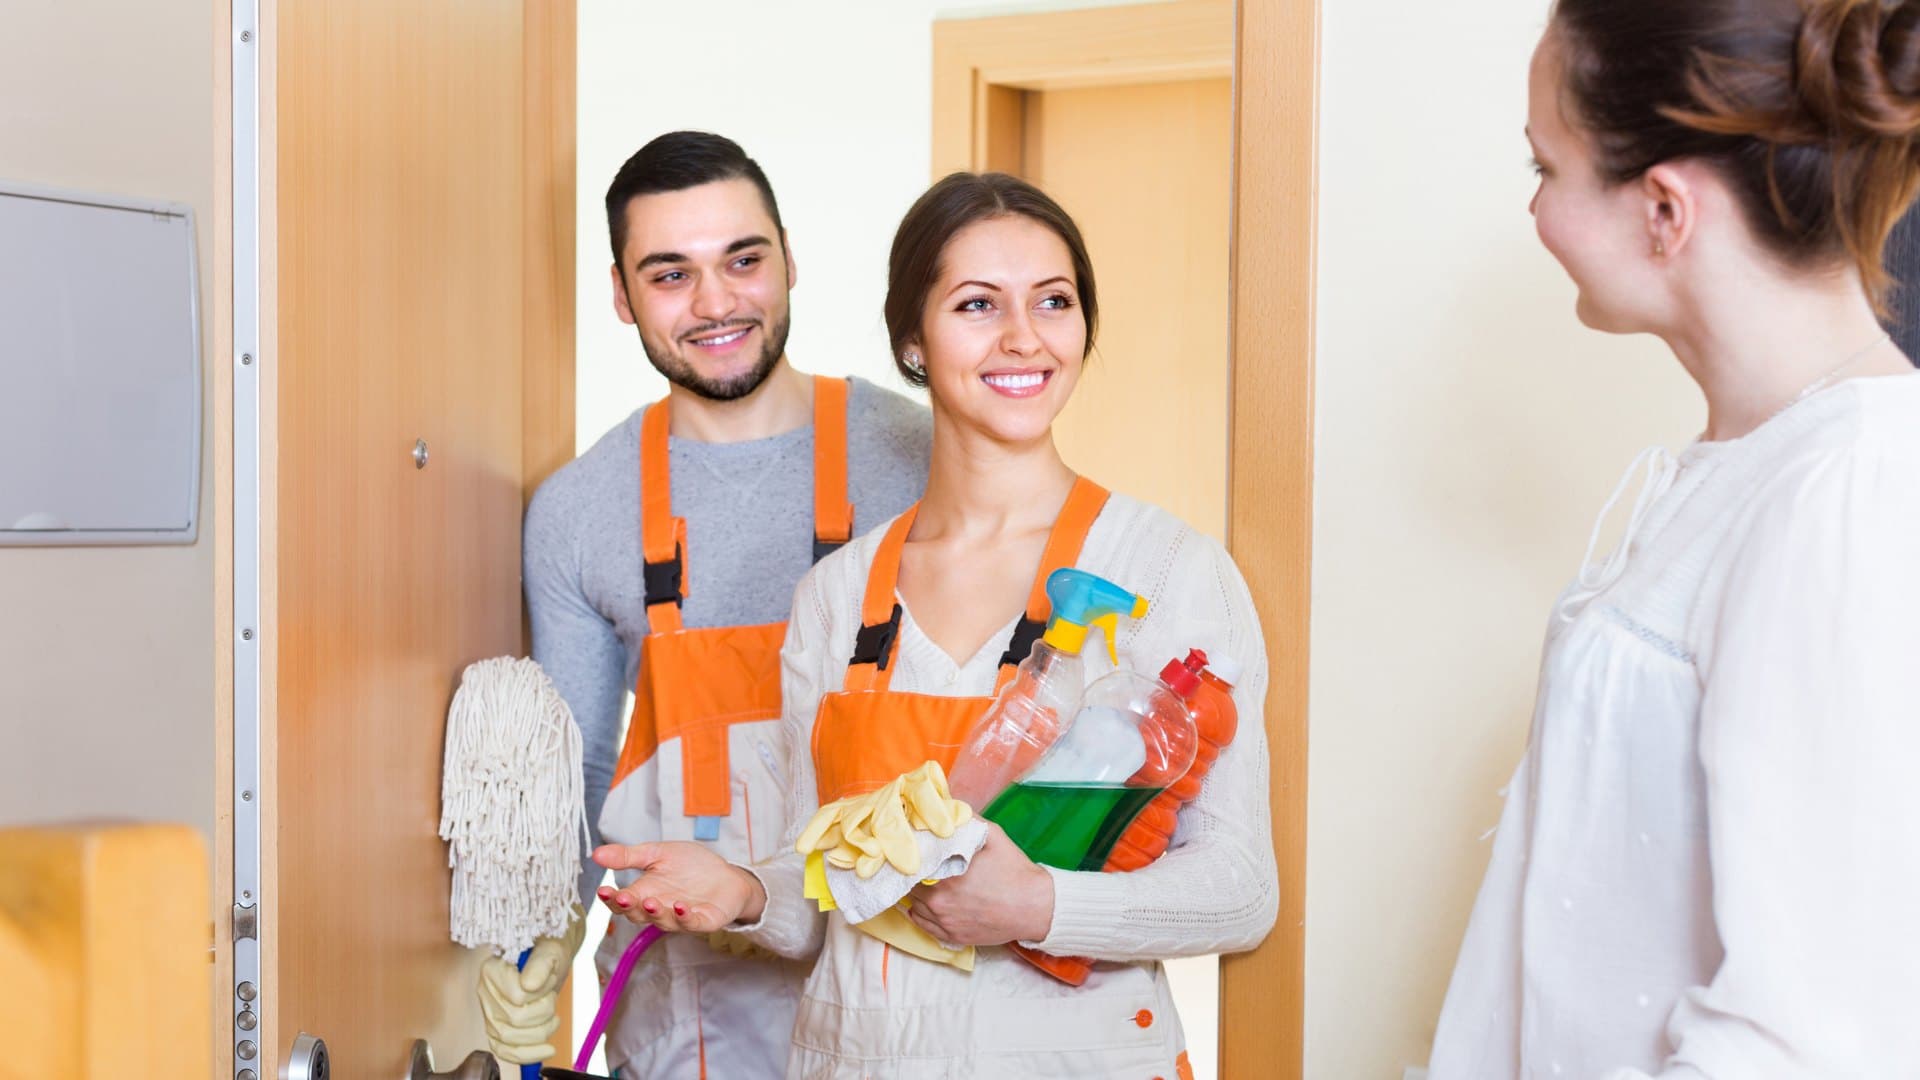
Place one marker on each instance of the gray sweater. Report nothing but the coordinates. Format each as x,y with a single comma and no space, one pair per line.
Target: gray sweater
749,513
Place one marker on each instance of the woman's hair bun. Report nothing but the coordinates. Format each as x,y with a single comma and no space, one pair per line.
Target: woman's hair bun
1857,67
1809,108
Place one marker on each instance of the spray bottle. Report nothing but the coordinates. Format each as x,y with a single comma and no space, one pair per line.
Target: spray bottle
1032,710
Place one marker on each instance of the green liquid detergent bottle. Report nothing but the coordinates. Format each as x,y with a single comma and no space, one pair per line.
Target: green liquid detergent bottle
1029,713
1131,738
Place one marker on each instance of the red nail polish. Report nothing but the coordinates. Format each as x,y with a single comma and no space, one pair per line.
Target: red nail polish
680,909
651,908
623,901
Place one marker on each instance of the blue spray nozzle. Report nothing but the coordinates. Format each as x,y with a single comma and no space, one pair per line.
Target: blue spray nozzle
1081,600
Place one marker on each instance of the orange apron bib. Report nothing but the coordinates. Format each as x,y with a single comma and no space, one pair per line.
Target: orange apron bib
866,734
695,684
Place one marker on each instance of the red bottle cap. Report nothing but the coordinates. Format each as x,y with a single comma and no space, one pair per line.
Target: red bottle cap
1184,680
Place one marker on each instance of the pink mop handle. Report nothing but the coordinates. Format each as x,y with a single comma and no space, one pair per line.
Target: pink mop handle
611,995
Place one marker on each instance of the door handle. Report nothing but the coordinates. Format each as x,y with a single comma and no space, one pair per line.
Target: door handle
479,1065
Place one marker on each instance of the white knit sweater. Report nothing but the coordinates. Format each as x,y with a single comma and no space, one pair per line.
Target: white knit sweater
1215,890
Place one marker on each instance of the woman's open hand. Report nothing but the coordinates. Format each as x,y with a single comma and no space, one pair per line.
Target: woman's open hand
682,887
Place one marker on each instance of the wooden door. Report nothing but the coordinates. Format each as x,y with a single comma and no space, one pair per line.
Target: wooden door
1145,169
416,293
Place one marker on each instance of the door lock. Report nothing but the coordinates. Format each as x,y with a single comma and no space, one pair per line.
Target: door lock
307,1060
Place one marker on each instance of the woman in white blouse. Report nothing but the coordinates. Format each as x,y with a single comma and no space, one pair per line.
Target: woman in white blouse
1709,862
991,306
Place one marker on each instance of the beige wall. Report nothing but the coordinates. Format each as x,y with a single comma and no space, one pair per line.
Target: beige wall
1468,430
106,654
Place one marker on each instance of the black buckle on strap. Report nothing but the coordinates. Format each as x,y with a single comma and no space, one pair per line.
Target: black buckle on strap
824,548
874,644
1024,635
662,581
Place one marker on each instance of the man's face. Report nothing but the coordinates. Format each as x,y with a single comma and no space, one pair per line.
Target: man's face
705,277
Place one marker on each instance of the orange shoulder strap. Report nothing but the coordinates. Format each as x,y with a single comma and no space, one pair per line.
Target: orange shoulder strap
1069,535
663,537
873,647
880,611
832,513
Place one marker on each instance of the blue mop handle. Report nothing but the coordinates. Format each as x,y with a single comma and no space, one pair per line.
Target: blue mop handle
529,1071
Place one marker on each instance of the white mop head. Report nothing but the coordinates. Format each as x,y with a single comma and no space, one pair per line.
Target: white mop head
511,806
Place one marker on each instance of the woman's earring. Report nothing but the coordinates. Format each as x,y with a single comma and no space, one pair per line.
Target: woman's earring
1659,248
913,361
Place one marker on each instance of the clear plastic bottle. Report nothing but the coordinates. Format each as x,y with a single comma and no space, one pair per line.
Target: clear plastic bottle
1026,716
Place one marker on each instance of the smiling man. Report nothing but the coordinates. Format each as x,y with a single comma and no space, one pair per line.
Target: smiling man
664,560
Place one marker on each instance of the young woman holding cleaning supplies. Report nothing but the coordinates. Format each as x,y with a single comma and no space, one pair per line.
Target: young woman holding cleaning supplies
991,306
1709,862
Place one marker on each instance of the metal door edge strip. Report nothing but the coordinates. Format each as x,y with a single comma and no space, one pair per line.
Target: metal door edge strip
247,991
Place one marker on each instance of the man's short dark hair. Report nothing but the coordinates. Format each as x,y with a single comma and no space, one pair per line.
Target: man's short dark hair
677,161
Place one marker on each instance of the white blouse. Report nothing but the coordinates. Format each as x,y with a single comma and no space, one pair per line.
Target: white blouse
1709,861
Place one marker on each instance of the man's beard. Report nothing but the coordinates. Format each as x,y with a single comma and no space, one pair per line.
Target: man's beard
681,373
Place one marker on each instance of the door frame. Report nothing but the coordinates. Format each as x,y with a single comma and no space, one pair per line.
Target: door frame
981,71
1270,493
245,433
982,67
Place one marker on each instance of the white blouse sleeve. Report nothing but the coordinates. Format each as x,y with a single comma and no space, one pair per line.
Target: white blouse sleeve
1810,744
792,925
1216,889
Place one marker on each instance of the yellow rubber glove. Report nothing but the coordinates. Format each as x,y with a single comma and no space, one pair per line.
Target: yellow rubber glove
930,805
893,927
520,1006
864,832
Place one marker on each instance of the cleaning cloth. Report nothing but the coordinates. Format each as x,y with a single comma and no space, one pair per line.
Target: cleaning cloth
865,853
860,899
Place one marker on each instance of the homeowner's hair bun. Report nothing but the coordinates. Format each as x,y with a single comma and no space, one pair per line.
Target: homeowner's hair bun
1857,68
1809,108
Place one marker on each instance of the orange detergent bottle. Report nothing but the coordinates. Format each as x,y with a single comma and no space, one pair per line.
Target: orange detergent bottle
1151,832
1214,714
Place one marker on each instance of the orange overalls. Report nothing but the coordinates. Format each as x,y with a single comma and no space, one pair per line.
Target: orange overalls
704,760
864,1016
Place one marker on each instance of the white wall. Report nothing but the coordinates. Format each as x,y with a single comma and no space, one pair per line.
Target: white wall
1468,431
106,654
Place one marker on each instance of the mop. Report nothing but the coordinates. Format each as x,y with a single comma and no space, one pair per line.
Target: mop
514,817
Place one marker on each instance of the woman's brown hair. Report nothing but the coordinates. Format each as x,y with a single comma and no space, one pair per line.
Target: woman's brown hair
955,202
1809,108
